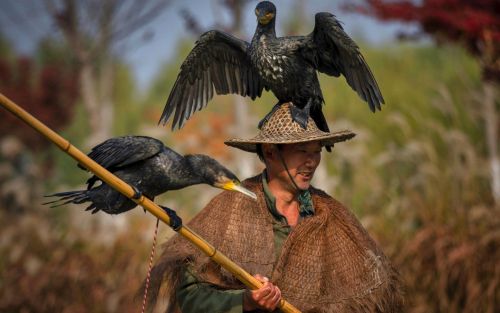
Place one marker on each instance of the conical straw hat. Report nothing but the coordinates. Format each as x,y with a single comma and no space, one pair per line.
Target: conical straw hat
281,129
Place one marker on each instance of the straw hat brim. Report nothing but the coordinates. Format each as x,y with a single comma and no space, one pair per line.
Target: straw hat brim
326,139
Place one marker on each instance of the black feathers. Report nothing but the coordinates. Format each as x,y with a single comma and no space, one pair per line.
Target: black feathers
218,61
122,151
285,65
336,53
149,166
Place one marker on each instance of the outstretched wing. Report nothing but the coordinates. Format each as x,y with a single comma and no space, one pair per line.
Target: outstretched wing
122,151
218,61
333,52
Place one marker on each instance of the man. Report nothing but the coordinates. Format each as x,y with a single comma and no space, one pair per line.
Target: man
301,243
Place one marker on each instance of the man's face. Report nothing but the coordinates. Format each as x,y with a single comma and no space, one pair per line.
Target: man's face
302,159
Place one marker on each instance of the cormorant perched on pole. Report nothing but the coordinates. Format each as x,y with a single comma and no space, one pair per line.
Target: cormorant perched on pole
285,65
149,167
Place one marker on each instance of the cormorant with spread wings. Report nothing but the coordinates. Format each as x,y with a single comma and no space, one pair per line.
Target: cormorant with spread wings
285,65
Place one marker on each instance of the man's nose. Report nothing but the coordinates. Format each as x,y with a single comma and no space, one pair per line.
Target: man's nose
311,160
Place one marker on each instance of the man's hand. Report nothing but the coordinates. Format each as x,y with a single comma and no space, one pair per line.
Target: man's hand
266,298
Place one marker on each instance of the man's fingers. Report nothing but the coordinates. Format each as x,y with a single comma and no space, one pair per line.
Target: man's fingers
262,279
271,300
276,299
263,292
268,296
271,292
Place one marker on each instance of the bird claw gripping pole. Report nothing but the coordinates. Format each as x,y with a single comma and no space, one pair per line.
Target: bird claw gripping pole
175,220
115,182
137,193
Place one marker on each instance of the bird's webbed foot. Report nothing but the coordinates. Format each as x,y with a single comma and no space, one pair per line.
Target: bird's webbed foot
268,115
301,116
175,220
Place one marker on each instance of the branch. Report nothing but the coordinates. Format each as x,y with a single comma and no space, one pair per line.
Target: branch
130,26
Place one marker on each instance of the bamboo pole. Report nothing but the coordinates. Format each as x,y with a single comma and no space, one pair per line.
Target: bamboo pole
115,182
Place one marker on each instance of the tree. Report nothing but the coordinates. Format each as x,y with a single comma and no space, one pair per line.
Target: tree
473,24
94,31
48,90
46,87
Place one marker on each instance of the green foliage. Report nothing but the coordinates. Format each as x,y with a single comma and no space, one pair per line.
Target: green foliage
158,93
128,118
127,109
66,173
50,50
5,49
417,174
429,121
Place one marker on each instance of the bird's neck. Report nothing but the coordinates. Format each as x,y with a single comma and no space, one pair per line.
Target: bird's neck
191,173
268,30
190,179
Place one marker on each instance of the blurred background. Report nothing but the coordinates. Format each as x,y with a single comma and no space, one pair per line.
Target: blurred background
423,175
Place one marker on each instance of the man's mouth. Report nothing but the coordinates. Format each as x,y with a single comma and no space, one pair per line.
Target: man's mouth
306,174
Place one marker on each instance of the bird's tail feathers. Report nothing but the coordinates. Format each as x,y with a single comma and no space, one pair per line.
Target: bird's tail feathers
66,197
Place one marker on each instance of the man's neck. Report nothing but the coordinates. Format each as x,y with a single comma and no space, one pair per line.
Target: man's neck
286,201
284,193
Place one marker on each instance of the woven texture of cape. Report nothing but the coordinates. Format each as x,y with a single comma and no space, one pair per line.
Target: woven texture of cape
328,263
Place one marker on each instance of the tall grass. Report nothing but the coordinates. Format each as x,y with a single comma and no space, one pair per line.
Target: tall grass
418,177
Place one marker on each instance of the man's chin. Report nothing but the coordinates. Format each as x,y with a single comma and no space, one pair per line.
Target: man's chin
304,185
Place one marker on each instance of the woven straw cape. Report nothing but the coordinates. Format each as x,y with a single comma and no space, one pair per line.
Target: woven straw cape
328,264
281,129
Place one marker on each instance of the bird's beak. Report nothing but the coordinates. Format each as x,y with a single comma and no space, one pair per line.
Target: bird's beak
265,18
235,186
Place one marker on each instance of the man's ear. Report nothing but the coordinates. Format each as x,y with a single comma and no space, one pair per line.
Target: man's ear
269,151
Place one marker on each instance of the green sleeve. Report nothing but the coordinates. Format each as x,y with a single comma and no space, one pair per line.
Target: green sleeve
197,296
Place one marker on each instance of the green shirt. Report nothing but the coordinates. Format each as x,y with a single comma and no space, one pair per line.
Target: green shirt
195,296
281,228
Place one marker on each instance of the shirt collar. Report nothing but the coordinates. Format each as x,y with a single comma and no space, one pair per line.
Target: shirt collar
306,207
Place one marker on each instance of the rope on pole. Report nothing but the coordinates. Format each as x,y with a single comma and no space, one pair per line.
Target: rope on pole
121,186
150,267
